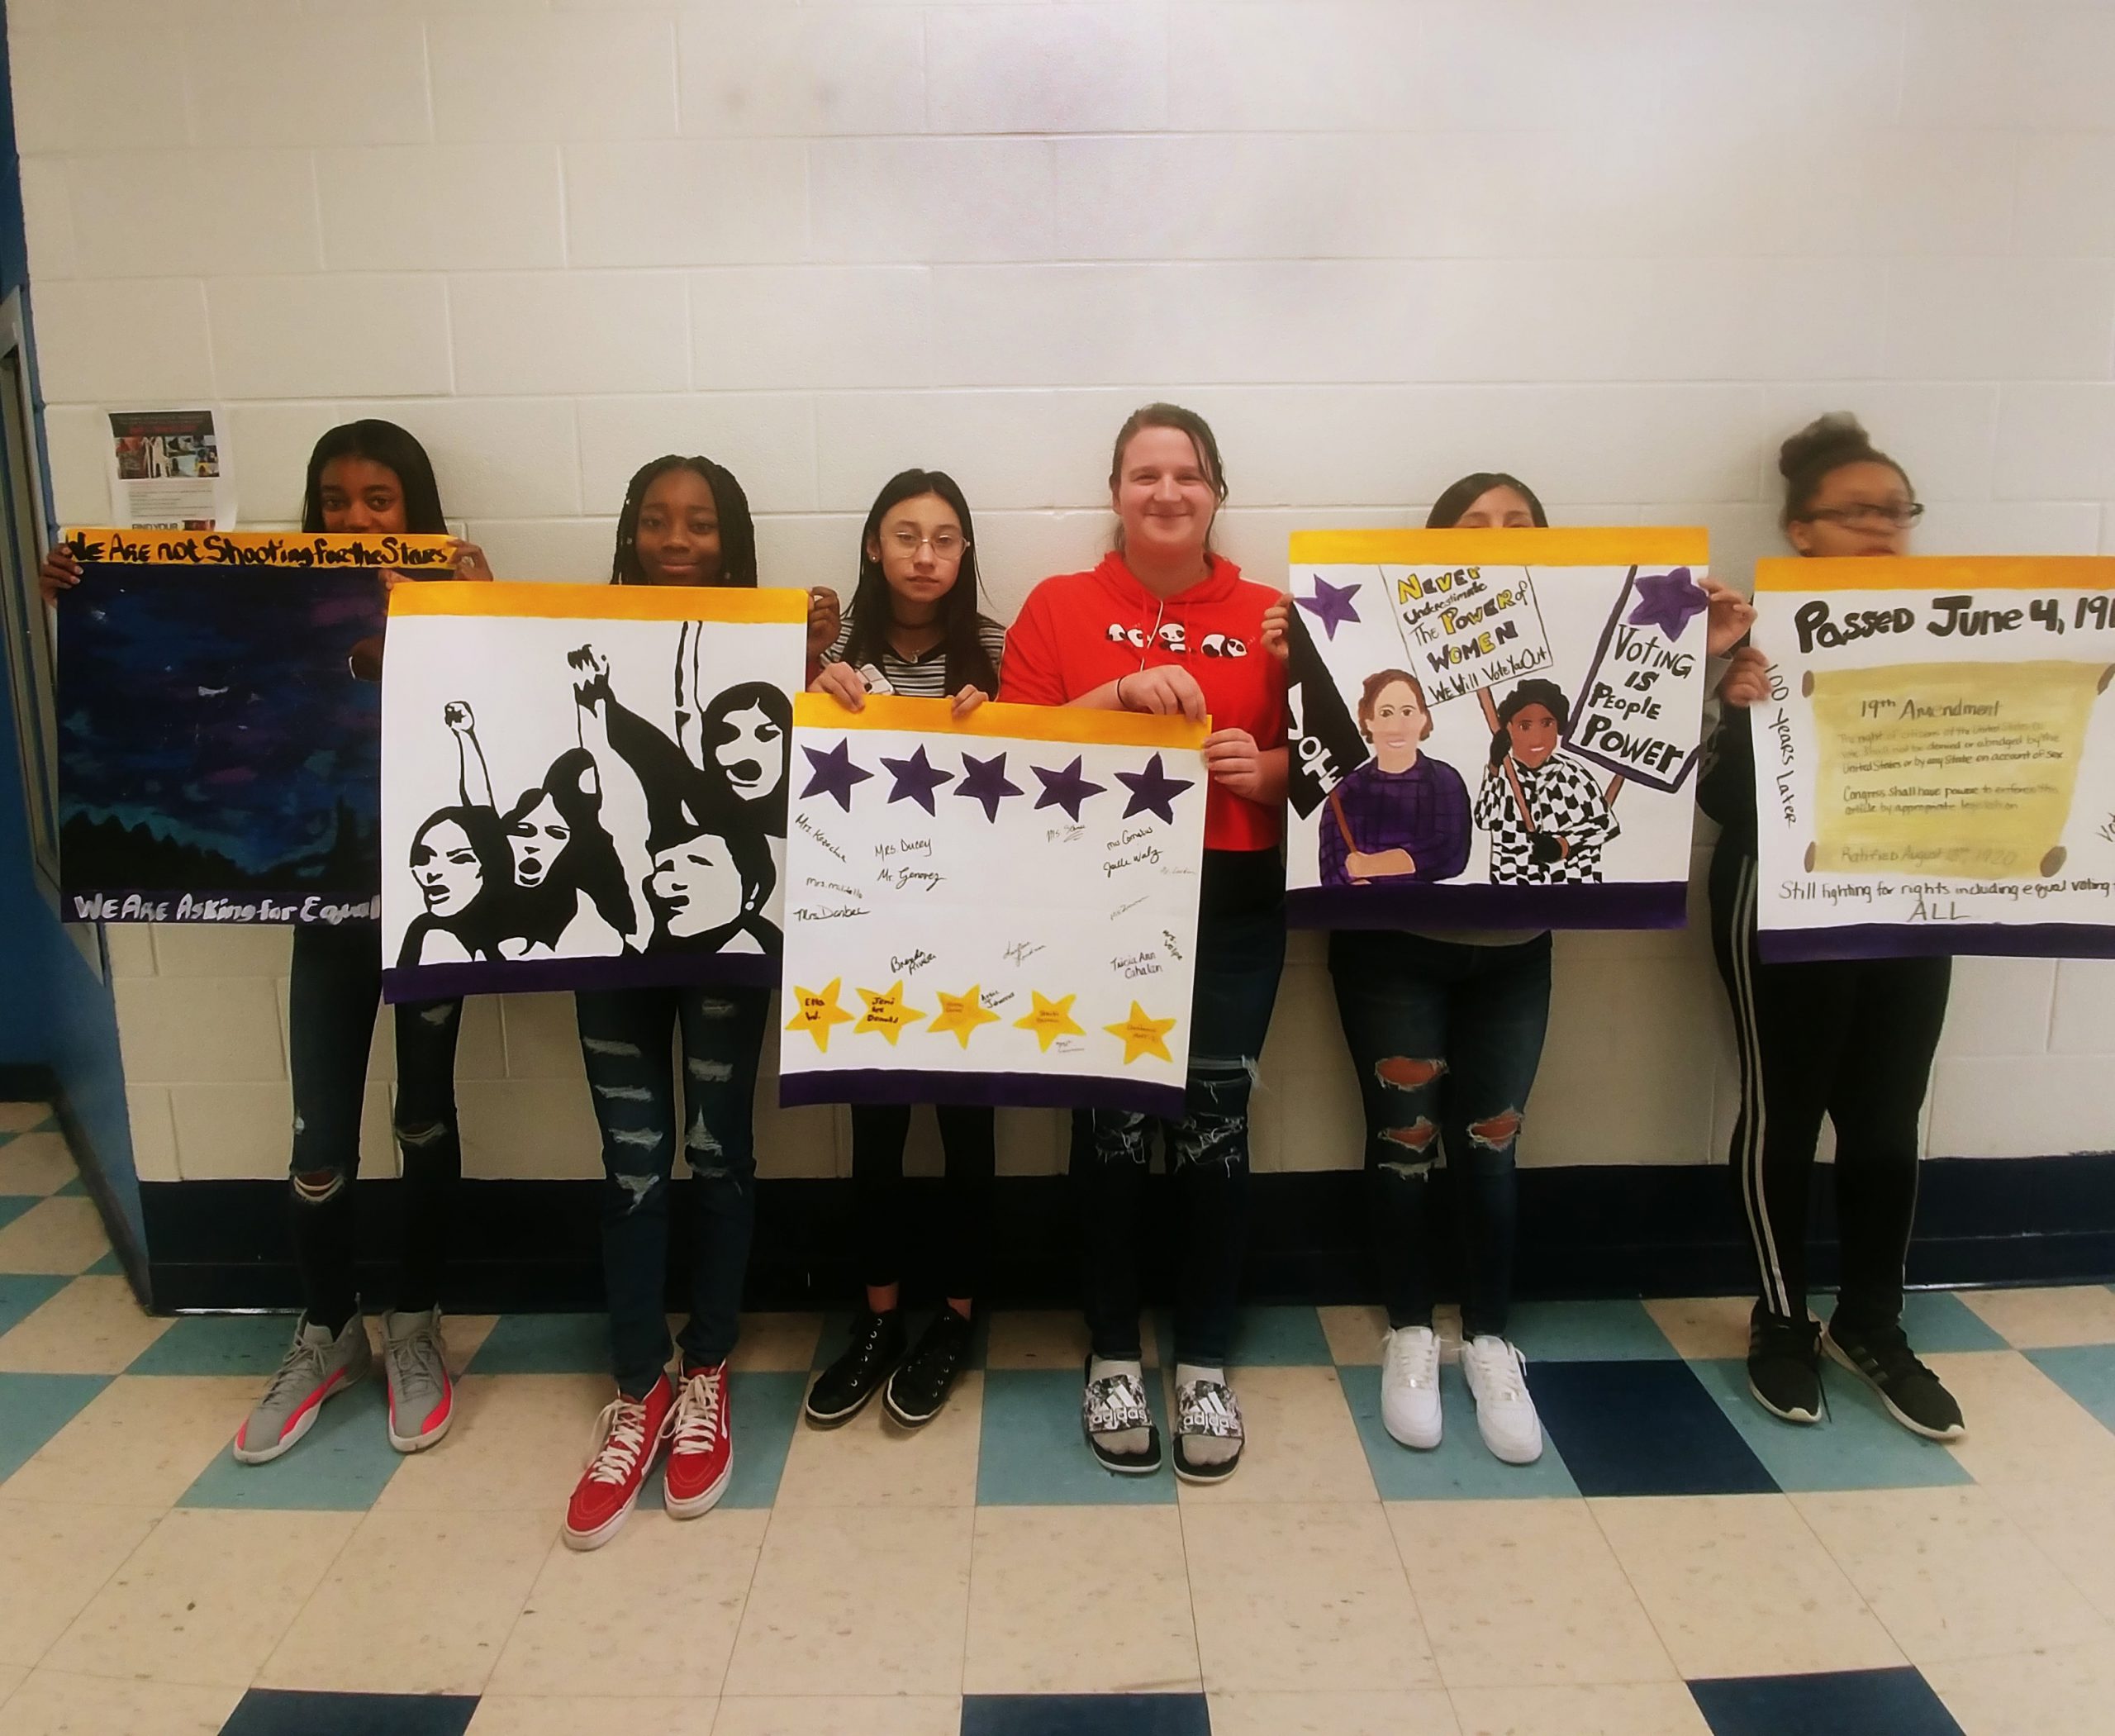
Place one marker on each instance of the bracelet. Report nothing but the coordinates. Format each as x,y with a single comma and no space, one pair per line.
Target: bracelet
1120,706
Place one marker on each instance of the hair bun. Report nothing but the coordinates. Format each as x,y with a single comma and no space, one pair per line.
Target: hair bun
1824,442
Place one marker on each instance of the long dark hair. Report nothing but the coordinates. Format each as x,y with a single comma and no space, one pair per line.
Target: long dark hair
1457,497
393,448
1533,692
589,863
1205,443
1827,443
737,531
969,665
482,923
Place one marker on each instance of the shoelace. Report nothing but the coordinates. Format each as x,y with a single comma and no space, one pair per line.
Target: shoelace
298,1370
620,1438
697,1415
1503,1371
1417,1361
406,1364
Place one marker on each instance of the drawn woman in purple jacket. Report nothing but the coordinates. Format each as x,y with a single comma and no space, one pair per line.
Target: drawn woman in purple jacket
1402,816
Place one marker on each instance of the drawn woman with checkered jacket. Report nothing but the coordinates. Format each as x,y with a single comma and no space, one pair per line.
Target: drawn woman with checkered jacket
1545,811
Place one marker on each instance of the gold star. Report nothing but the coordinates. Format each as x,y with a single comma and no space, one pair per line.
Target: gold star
962,1014
1142,1036
818,1012
886,1012
1051,1020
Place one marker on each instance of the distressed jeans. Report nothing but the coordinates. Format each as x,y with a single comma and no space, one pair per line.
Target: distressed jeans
1445,1037
625,1039
335,983
1239,957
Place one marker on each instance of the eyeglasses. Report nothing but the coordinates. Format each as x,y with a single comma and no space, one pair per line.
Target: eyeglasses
947,544
1871,517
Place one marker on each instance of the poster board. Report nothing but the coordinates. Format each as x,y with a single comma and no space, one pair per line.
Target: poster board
584,785
999,911
1935,762
1580,651
219,760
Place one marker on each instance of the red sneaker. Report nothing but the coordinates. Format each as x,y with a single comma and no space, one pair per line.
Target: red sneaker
628,1437
701,1450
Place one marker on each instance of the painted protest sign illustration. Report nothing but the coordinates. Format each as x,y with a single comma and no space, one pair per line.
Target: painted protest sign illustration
1002,911
219,756
1495,728
1935,765
584,785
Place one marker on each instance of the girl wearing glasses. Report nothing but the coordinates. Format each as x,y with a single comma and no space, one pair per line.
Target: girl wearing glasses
914,629
1852,1038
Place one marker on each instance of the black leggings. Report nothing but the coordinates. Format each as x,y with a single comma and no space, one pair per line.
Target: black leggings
336,983
1853,1039
878,1133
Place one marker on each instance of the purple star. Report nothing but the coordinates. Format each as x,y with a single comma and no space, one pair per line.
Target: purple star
835,774
1066,789
1153,791
1331,604
985,781
1668,601
916,778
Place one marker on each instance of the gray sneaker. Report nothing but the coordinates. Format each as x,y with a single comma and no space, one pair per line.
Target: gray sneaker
316,1366
421,1395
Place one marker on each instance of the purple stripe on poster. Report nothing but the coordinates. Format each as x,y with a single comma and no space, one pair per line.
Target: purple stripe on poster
1626,903
225,910
670,969
994,1091
1922,940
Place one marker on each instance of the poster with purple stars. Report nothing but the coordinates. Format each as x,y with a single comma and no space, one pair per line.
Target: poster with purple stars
584,785
1495,729
1001,910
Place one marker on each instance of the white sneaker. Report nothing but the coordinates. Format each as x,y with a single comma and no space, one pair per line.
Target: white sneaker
1409,1385
1505,1414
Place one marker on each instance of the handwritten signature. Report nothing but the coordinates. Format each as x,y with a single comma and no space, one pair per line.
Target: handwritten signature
1023,949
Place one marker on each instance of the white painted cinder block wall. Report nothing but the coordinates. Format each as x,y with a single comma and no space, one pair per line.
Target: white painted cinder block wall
1620,248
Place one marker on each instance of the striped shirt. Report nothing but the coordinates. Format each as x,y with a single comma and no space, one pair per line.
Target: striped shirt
925,676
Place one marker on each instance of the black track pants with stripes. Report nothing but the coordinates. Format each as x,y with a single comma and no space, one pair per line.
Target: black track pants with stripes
1852,1038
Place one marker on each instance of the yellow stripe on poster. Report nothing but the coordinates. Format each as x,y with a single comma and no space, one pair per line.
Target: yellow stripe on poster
303,550
1939,572
1027,723
1585,546
777,606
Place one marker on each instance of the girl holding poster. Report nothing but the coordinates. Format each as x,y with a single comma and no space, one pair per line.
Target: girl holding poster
1853,1039
1164,624
914,629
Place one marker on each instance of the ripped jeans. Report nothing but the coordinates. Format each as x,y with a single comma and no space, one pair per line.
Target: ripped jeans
1239,956
1446,1036
336,982
624,1040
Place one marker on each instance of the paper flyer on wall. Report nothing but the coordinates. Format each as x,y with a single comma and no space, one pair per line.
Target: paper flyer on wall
1935,762
999,910
219,749
584,785
170,470
1493,729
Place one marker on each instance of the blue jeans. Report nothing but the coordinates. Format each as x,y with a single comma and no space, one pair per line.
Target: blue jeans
624,1040
1446,1038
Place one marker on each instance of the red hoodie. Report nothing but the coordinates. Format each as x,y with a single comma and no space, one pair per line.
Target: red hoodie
1081,629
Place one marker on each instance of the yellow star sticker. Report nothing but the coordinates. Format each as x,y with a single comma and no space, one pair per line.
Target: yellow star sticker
886,1012
818,1012
1142,1036
962,1014
1051,1020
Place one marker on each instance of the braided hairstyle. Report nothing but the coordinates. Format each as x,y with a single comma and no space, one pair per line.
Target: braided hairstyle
737,533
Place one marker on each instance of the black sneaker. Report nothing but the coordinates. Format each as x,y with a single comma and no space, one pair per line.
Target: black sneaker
1881,1357
923,1379
841,1391
1784,1366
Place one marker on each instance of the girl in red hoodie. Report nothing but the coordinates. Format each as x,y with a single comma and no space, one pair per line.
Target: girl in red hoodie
1165,625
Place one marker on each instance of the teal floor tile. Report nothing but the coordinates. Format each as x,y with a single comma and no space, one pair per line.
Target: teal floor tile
767,1411
1619,1331
219,1344
1937,1321
342,1466
12,1205
1279,1338
34,1407
2087,1371
1033,1454
545,1344
108,1267
75,1189
23,1293
1856,1445
1461,1467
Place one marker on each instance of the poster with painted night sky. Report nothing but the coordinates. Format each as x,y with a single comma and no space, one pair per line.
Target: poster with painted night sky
219,756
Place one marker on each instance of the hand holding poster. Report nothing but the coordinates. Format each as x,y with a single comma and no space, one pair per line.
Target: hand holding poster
1935,765
1001,910
218,757
584,785
1469,708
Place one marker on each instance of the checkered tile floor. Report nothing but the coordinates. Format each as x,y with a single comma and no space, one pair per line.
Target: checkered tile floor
1677,1562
